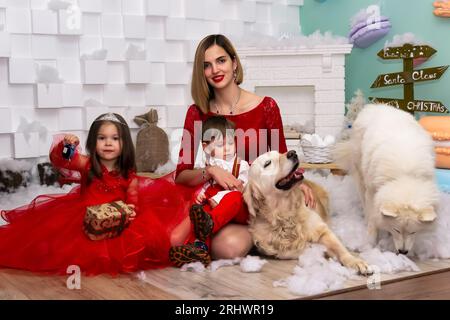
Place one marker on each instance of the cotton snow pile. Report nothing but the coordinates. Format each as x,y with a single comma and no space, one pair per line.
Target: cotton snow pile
347,218
15,165
315,274
252,264
247,264
25,195
365,14
387,261
399,40
295,40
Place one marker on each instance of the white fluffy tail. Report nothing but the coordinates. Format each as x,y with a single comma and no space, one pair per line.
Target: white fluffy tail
342,154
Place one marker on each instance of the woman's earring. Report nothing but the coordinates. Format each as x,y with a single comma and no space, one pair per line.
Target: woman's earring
235,75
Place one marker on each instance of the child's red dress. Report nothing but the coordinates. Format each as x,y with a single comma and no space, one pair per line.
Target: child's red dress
47,235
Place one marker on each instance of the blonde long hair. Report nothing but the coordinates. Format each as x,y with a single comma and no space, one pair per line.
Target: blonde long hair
201,91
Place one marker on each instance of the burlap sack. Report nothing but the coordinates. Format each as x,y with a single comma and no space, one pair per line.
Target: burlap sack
152,143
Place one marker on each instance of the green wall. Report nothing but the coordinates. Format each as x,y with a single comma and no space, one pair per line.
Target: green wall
363,65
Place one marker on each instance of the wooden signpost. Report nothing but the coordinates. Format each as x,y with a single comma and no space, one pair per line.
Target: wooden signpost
408,53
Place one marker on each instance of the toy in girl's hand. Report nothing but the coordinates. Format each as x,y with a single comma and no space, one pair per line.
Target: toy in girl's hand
70,143
68,151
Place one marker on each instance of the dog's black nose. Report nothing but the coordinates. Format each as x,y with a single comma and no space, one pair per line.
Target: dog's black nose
405,252
292,154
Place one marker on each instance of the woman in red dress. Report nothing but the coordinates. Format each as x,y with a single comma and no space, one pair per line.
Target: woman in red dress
217,74
47,235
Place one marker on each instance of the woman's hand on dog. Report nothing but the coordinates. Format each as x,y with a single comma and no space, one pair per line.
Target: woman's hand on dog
225,179
309,196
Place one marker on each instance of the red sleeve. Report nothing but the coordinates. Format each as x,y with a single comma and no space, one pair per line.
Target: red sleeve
191,139
274,122
77,163
132,190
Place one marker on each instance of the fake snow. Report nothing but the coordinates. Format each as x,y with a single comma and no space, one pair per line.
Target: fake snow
252,264
365,14
315,39
315,274
399,40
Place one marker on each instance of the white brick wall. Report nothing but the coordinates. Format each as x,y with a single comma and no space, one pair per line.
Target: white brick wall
44,22
5,120
169,31
49,95
307,84
26,145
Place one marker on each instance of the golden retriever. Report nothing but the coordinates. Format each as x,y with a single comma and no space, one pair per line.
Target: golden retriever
280,222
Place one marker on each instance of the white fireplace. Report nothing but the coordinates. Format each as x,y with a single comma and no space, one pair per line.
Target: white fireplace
307,83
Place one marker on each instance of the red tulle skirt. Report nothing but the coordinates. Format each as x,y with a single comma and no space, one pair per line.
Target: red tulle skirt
47,236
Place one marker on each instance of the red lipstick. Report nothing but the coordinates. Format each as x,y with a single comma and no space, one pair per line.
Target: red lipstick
217,79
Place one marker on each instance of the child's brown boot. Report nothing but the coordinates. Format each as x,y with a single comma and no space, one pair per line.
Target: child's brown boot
188,253
202,222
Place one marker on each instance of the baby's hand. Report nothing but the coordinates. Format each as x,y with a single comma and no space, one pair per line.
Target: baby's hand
133,215
71,139
200,198
212,203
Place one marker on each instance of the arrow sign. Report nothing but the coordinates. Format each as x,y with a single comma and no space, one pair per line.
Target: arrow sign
406,51
396,78
412,106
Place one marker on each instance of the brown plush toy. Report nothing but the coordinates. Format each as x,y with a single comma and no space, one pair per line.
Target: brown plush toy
152,143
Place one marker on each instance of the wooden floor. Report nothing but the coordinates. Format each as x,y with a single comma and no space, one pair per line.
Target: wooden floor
223,284
433,285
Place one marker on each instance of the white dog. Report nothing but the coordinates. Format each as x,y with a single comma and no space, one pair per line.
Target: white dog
280,222
391,158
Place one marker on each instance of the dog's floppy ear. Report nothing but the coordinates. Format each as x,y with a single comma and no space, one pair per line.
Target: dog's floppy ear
427,215
254,198
388,211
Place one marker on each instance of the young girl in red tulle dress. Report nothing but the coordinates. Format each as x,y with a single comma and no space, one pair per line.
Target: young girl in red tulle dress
47,234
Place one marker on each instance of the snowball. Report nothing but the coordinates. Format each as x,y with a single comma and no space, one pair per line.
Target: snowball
252,264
